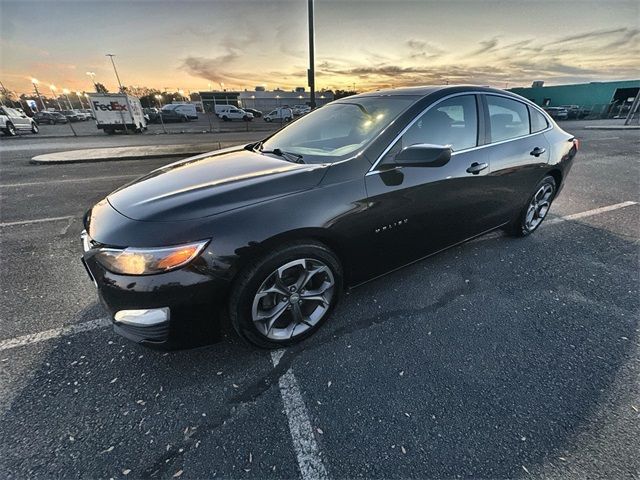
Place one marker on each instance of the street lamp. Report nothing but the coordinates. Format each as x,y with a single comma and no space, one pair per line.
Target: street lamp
181,92
159,99
79,95
66,95
53,91
35,85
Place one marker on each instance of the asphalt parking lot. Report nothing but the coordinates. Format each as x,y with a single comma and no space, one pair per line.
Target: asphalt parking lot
500,358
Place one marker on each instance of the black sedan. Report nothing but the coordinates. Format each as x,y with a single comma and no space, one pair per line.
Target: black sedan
50,117
273,232
170,115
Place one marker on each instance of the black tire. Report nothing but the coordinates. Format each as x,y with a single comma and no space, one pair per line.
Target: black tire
225,118
267,119
52,122
34,127
520,227
11,129
287,119
254,275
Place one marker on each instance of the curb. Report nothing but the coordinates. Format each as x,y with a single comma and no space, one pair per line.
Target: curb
94,155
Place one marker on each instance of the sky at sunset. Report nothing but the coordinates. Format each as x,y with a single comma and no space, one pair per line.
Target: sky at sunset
370,44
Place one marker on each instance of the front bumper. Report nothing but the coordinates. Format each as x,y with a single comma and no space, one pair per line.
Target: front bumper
176,309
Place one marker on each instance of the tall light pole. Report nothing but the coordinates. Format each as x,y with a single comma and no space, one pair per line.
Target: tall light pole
111,55
79,95
92,75
311,74
53,91
35,85
159,100
66,95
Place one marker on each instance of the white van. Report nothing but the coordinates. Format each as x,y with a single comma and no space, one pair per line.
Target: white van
220,109
281,114
188,109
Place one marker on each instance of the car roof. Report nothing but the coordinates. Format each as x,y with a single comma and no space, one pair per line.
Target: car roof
424,90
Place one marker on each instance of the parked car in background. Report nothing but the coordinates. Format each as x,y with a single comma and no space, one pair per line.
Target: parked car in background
282,114
273,231
235,113
576,111
50,118
557,113
254,112
72,116
89,112
220,109
12,121
299,110
187,109
171,115
152,114
82,115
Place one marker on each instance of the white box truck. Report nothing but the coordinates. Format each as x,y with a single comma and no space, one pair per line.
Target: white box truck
114,111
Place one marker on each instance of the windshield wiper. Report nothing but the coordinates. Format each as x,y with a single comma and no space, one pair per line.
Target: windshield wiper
290,157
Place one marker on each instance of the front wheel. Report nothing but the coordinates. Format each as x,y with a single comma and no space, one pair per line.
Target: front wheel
34,127
286,296
530,218
11,129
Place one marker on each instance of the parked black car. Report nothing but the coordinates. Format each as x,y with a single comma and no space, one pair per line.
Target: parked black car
49,117
256,113
72,116
275,230
170,115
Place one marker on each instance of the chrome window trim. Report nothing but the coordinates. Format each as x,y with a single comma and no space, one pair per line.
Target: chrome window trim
373,169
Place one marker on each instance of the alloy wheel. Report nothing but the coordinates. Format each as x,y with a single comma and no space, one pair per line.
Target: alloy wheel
538,207
293,299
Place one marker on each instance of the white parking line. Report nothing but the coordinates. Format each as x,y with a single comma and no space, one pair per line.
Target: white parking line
589,213
53,333
67,180
304,440
37,220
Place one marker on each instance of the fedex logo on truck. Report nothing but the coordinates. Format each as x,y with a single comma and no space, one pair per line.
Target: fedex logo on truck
111,107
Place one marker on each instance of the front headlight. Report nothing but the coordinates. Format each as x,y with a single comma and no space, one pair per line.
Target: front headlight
146,261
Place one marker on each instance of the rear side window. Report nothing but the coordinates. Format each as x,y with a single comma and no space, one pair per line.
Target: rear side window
538,121
452,122
508,118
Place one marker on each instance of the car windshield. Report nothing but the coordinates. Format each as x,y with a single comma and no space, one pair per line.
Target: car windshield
338,129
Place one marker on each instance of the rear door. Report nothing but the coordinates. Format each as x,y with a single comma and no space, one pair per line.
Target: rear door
518,153
420,210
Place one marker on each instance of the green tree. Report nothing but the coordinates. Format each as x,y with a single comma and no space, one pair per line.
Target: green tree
100,88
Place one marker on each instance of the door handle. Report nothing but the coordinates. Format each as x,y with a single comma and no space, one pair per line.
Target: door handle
536,152
476,167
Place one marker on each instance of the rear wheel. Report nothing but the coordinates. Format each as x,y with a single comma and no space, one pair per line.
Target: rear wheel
52,122
11,129
34,127
267,119
286,296
530,218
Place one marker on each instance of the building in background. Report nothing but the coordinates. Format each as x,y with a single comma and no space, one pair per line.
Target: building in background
598,98
263,100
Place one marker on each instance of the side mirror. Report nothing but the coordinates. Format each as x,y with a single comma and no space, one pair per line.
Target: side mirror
424,155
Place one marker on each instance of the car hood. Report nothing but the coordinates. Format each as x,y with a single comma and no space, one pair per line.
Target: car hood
210,184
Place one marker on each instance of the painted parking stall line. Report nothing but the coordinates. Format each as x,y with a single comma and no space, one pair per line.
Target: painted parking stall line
304,441
69,180
590,213
36,220
53,333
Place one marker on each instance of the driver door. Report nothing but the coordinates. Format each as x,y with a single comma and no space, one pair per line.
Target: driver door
417,211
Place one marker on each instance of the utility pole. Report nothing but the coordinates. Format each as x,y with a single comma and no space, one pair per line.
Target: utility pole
35,85
311,73
111,55
126,96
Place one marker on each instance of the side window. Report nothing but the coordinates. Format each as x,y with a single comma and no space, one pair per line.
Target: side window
452,122
508,118
538,121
